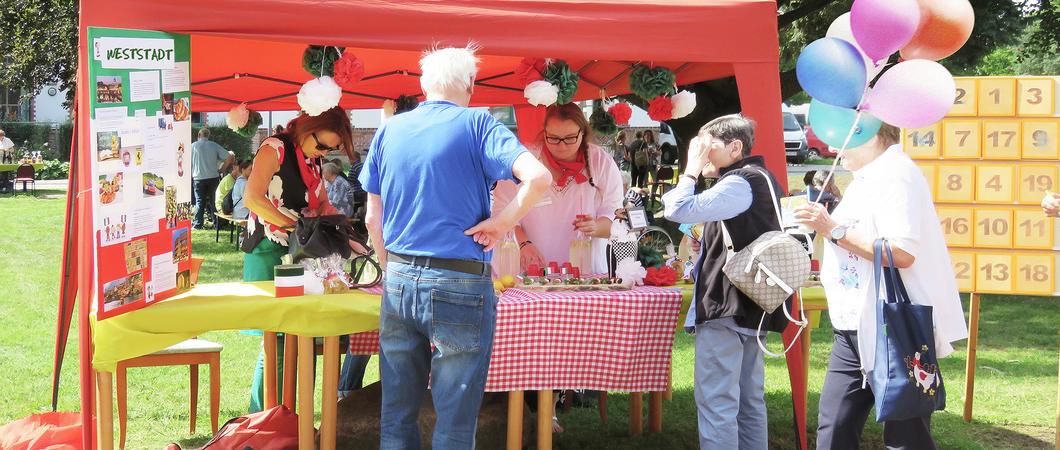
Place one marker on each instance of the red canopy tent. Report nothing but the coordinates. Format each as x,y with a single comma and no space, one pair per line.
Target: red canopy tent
250,51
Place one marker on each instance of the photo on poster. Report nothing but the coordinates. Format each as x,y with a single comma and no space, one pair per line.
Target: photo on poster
110,188
136,255
165,122
149,291
180,159
183,280
114,229
171,207
154,185
132,155
108,146
181,110
108,89
181,245
123,291
167,104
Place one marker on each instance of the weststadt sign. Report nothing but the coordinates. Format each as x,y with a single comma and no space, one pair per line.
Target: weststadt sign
134,53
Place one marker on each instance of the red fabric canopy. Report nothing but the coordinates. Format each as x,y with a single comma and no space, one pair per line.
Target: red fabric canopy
264,39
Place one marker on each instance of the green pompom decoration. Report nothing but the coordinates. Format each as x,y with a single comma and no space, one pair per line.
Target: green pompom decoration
650,257
253,122
602,122
560,75
314,54
649,83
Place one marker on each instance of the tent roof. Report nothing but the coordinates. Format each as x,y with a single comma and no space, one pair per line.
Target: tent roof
600,39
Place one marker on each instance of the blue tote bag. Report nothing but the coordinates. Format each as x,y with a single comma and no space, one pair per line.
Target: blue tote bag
906,380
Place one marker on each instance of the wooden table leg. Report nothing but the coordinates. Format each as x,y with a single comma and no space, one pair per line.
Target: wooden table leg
269,378
655,412
603,406
515,420
636,413
123,404
290,370
193,372
545,407
305,392
329,398
969,368
105,410
1057,437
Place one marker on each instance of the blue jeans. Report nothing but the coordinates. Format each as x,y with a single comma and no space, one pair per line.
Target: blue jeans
204,191
454,311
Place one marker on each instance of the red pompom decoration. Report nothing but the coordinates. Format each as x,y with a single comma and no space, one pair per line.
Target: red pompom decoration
621,112
661,108
349,69
531,70
660,276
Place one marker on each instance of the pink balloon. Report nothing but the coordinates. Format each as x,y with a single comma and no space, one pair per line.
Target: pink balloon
881,27
912,94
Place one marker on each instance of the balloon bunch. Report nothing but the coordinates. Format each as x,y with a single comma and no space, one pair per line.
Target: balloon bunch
854,86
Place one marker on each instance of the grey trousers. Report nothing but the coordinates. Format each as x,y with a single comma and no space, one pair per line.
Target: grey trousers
730,390
845,406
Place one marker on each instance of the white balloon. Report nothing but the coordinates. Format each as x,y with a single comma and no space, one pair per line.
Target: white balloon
840,29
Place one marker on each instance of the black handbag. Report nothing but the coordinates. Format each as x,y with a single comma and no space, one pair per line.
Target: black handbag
323,236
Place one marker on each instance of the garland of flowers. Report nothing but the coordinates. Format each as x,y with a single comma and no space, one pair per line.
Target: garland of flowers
548,82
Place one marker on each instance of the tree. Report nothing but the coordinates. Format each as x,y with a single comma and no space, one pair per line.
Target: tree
38,44
800,22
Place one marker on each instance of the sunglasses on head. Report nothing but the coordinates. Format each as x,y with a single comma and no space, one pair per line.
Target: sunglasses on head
565,140
322,147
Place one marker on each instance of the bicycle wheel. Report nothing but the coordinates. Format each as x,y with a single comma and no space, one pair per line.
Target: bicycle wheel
656,238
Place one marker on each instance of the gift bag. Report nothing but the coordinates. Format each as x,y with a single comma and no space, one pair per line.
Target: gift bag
906,379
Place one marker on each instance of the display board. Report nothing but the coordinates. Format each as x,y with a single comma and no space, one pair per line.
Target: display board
141,167
989,164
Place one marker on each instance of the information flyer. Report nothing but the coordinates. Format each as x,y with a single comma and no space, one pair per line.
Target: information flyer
141,129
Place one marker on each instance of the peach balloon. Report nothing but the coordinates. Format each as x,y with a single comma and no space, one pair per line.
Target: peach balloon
945,25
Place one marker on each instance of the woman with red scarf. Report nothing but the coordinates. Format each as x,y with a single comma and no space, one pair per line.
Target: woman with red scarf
586,191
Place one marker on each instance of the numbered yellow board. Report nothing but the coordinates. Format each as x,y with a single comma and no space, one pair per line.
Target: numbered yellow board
989,163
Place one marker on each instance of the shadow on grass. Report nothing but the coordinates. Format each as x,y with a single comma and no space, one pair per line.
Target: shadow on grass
40,194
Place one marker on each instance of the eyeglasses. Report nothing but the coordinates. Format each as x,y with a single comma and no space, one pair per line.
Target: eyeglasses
565,140
322,147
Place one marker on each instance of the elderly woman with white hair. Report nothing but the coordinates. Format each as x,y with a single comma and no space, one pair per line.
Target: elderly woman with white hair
432,169
340,193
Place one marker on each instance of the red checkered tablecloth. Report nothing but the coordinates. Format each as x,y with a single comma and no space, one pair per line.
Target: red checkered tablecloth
608,341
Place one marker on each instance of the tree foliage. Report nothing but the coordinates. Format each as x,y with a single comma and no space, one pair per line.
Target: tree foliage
38,44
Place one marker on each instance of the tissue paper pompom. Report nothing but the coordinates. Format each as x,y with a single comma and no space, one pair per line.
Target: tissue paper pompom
541,93
684,103
602,122
251,127
621,112
237,117
631,272
649,83
349,69
530,70
319,60
319,95
660,108
560,75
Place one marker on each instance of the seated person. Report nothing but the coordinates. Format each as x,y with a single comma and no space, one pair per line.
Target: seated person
239,207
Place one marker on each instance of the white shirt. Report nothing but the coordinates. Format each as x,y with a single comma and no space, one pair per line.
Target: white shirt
889,198
6,144
548,224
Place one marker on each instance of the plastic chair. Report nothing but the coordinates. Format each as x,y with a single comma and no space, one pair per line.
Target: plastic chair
191,352
26,174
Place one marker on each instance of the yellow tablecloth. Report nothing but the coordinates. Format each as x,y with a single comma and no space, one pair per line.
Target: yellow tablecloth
229,306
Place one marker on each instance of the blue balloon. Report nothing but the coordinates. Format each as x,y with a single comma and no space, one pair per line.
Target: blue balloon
832,124
832,70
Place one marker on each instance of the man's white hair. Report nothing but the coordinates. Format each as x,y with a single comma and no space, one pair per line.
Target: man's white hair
449,68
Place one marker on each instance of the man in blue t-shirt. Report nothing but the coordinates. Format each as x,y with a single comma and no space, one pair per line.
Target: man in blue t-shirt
206,159
428,176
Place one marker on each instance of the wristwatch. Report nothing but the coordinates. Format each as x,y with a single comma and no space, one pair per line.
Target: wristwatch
838,233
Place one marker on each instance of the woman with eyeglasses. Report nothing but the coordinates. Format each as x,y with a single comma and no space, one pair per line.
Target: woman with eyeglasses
586,191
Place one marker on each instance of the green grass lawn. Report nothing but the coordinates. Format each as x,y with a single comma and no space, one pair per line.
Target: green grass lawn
1015,399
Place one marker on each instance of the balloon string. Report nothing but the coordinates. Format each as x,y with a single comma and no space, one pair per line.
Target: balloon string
838,157
323,57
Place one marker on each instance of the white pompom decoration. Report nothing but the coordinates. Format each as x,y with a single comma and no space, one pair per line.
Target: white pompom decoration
684,103
541,93
319,95
631,272
389,108
237,117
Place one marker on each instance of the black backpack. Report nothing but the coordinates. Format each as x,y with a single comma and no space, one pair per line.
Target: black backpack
226,204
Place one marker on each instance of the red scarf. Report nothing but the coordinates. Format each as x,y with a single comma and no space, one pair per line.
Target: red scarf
567,169
311,178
